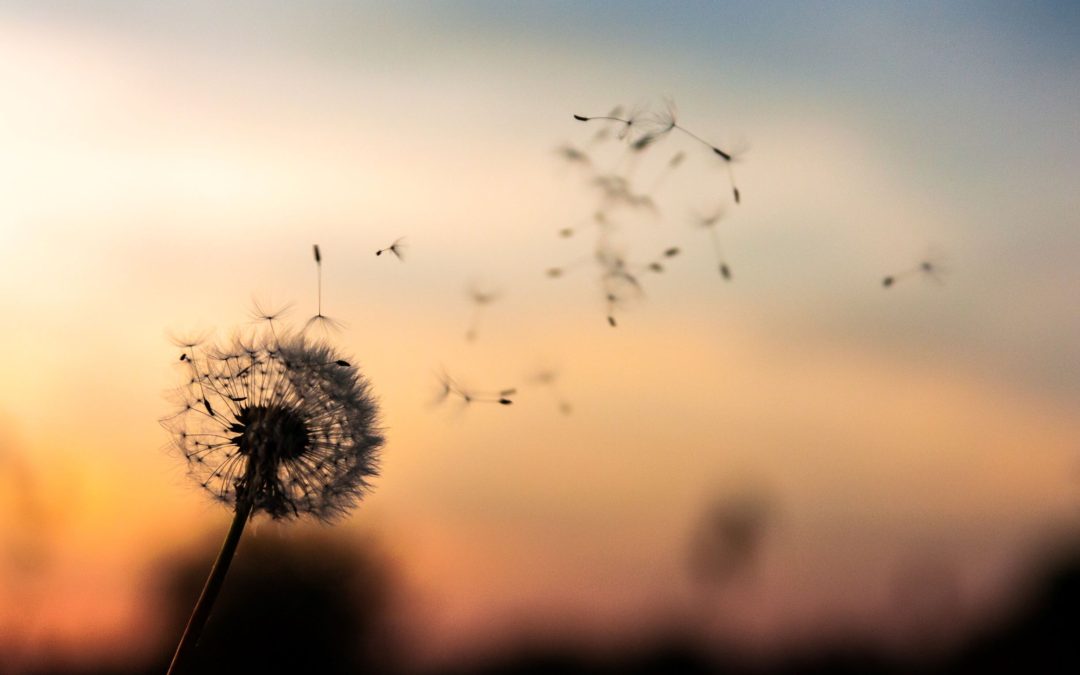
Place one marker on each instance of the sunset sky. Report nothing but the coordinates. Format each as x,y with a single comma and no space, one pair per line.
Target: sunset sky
161,164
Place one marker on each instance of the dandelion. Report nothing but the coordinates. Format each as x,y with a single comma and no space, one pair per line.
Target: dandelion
284,427
397,248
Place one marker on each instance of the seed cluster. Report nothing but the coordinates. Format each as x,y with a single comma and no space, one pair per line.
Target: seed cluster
285,424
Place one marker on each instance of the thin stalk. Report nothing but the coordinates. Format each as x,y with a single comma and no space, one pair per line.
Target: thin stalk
213,586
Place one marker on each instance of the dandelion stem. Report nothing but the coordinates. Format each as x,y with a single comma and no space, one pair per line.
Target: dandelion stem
210,591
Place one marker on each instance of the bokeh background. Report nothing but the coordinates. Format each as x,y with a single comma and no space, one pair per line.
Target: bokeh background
792,464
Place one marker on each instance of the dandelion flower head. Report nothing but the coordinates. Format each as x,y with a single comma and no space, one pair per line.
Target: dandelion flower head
281,424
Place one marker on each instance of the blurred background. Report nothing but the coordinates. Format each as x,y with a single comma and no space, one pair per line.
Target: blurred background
796,469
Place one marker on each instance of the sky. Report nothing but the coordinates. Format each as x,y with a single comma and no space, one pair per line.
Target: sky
164,164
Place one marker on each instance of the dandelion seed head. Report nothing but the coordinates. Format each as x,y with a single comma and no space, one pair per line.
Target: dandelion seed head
282,422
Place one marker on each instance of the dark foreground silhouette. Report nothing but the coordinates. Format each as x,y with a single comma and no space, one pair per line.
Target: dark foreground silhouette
316,606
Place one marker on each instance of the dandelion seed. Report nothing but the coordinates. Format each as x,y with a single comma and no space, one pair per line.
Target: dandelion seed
730,159
618,278
450,388
625,124
599,220
189,341
328,324
293,431
616,272
931,267
547,378
561,270
616,190
397,248
604,130
612,303
263,313
644,141
708,222
656,125
667,121
573,155
656,265
480,299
